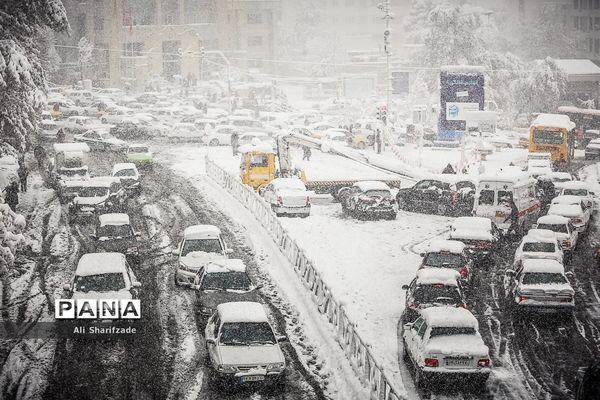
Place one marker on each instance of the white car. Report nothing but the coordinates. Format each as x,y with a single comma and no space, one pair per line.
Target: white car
337,135
220,135
557,178
539,243
200,245
287,196
103,276
318,129
242,346
592,150
98,195
580,189
578,212
539,285
564,230
100,140
129,176
445,342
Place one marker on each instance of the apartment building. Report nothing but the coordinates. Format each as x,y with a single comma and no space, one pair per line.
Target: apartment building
585,17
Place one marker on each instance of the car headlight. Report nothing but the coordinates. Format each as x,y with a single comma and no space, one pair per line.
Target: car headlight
227,368
276,367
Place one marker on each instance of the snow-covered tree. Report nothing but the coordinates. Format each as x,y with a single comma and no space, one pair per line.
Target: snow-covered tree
22,79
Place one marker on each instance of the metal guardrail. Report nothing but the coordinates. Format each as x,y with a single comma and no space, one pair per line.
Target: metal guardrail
369,371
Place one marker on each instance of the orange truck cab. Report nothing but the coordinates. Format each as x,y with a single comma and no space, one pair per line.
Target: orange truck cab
257,165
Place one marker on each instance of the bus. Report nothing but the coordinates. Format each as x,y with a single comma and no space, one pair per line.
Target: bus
587,123
552,133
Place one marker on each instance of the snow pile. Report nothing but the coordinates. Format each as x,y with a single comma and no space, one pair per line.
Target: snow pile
11,237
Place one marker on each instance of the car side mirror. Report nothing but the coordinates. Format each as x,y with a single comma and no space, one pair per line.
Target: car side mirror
136,285
569,274
211,341
175,252
422,254
509,272
137,234
282,339
228,251
93,236
404,287
408,326
261,191
258,287
67,288
534,226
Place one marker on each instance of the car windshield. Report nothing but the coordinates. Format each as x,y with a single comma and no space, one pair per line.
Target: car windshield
539,247
437,294
225,281
246,333
451,331
575,192
100,282
114,231
378,193
93,191
201,245
125,172
558,228
540,278
486,197
444,259
72,172
547,137
138,150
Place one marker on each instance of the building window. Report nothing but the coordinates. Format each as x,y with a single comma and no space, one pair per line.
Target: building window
576,4
254,18
171,58
583,4
597,46
576,22
98,21
583,24
597,24
590,45
591,2
255,40
133,49
170,12
596,4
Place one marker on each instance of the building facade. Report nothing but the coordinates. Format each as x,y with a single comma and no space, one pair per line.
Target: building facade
137,41
585,17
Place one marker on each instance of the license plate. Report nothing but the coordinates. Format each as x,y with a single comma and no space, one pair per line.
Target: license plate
458,363
253,378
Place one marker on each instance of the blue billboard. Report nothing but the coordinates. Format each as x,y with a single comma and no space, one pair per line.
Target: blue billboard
461,89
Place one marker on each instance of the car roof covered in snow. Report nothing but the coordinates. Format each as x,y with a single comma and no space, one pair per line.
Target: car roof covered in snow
75,183
102,181
576,185
553,121
288,183
539,235
201,232
261,147
433,276
136,145
453,178
242,311
542,265
471,234
365,186
513,176
555,175
567,199
473,223
114,219
100,263
449,317
72,147
567,210
553,219
226,265
121,166
451,246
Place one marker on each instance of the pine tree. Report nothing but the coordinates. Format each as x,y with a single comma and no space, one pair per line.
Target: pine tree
22,78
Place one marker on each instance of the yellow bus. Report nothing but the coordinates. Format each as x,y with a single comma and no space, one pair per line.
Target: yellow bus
552,133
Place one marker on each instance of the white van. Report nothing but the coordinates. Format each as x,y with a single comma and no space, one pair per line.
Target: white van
200,245
493,188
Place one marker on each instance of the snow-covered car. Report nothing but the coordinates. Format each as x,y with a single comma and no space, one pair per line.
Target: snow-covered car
580,189
220,135
79,123
573,208
64,174
97,196
557,178
318,129
432,287
287,196
539,285
100,140
444,194
68,190
48,129
540,244
103,276
537,167
480,235
368,200
184,132
564,230
129,176
592,150
242,346
114,233
448,254
444,342
338,135
203,124
200,245
140,155
223,281
249,137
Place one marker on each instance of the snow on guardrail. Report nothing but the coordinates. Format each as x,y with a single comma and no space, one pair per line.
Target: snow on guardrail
369,371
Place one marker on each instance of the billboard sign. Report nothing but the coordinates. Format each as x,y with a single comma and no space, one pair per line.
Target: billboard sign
461,90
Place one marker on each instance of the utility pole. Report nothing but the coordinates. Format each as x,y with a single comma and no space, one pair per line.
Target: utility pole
385,7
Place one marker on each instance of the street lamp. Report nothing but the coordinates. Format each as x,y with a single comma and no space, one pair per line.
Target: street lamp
385,7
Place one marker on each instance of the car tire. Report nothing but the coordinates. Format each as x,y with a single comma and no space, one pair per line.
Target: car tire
441,209
213,142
